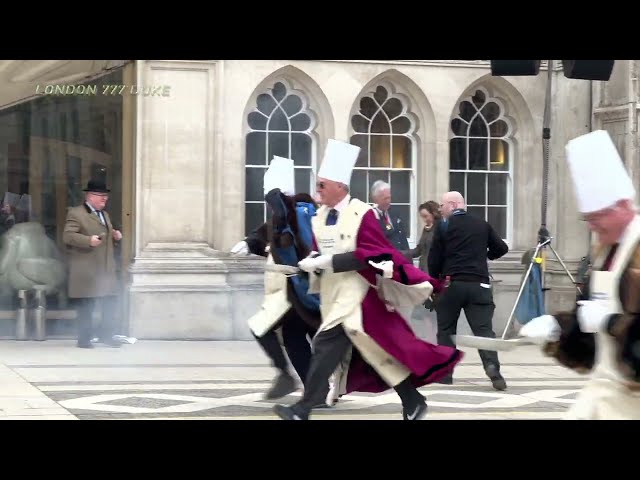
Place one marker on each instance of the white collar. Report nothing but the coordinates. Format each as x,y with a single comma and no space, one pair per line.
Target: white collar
343,203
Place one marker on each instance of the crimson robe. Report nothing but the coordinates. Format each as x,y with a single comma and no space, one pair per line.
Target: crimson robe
427,363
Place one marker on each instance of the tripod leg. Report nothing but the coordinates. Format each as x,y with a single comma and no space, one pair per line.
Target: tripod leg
565,269
523,284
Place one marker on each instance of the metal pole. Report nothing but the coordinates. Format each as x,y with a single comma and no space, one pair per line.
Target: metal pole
21,316
566,269
40,316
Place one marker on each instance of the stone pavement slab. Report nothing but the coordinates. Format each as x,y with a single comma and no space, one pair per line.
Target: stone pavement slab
19,399
227,380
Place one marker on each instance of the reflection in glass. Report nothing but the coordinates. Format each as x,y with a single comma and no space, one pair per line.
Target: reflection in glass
401,152
498,155
50,147
497,218
476,188
380,151
254,180
401,186
497,189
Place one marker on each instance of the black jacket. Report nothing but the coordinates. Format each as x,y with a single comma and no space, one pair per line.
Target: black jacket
461,247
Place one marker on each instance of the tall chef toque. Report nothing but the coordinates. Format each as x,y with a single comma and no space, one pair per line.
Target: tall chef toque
280,174
599,176
338,162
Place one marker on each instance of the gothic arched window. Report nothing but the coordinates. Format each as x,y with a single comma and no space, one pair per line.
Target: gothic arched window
281,124
480,160
383,129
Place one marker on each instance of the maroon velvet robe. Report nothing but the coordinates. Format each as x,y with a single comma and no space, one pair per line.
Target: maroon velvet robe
427,363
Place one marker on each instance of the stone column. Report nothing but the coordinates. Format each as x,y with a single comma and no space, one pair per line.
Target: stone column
616,110
182,287
570,118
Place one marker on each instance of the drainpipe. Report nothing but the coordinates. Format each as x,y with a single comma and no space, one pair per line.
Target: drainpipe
632,129
591,111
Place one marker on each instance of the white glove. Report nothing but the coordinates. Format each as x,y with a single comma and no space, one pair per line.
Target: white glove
240,248
593,315
544,328
267,249
386,266
322,262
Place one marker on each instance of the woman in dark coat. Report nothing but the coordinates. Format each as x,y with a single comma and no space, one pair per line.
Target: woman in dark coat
430,214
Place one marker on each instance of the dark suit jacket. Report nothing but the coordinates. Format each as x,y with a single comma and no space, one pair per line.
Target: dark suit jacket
395,235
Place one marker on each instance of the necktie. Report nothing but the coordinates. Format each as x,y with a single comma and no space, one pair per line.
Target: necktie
609,260
332,218
100,217
388,221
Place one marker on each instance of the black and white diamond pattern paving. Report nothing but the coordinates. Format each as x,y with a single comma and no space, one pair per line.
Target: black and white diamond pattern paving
471,397
227,380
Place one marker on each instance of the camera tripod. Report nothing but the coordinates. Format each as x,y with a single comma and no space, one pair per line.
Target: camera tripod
544,241
544,238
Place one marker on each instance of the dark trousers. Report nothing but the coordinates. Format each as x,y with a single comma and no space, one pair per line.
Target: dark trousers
296,344
329,348
108,326
478,306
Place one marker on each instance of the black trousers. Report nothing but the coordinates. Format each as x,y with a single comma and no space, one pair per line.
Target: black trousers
478,306
296,343
329,348
108,326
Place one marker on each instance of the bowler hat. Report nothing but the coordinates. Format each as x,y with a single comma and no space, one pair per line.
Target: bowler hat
96,186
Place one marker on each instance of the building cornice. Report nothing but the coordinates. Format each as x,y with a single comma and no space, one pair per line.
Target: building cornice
484,64
615,112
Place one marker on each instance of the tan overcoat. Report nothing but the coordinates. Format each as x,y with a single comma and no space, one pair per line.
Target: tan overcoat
92,270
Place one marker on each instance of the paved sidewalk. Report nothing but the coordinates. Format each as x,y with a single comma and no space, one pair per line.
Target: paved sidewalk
227,380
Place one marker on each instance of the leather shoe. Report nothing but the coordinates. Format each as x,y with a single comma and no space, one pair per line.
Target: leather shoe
290,413
283,385
497,380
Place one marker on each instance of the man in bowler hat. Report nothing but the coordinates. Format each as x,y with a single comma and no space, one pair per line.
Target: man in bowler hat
90,239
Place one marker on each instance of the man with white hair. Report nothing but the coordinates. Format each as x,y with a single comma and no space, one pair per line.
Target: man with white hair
602,335
353,251
391,225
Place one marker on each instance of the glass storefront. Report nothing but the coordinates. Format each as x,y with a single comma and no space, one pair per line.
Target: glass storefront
49,149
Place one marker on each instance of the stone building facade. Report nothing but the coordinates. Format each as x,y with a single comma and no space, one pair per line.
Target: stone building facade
190,163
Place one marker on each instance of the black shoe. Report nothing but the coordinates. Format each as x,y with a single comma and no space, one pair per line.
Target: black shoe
283,385
497,380
290,413
84,345
416,412
324,404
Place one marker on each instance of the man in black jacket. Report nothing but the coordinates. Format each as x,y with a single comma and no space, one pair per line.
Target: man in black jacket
459,252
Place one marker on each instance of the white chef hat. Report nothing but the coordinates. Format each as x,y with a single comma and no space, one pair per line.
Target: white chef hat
280,174
338,162
600,178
